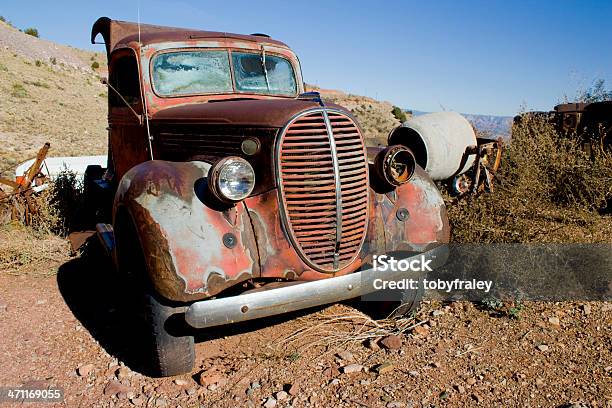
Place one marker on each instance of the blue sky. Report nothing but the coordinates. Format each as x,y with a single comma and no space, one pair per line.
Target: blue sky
489,57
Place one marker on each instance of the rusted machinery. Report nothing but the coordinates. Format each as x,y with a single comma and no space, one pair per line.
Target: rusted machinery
590,124
18,193
446,146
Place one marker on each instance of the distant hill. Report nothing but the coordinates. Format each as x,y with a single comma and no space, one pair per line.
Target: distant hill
375,117
48,93
491,126
488,126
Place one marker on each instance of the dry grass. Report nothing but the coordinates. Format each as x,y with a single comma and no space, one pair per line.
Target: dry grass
342,328
548,191
27,251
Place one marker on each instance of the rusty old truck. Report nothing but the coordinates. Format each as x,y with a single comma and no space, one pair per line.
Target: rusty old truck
232,194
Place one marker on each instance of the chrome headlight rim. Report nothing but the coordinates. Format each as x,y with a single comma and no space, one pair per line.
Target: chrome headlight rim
392,158
219,170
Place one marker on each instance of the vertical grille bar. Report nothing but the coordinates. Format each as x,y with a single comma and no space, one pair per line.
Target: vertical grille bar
334,155
323,187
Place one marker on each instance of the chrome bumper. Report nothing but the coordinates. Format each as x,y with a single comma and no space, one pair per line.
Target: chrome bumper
215,312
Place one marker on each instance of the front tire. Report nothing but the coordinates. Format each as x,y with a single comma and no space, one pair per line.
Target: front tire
159,323
171,352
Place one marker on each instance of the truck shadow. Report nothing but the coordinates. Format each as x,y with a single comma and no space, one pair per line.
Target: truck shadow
98,298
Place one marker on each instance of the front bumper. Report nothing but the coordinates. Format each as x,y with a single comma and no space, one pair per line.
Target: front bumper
216,312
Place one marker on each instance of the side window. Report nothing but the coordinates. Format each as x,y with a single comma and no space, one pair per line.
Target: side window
124,78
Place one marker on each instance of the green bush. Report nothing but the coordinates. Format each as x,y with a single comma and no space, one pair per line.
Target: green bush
4,20
597,92
399,114
65,197
95,65
31,31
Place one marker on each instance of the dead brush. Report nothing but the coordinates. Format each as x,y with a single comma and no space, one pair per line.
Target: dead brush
334,330
547,190
26,251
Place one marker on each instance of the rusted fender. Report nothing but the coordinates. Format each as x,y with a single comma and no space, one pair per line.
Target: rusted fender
414,215
181,236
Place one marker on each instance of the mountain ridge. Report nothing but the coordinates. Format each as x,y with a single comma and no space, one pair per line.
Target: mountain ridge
488,126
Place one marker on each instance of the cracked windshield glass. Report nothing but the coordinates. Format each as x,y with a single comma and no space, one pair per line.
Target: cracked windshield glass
207,72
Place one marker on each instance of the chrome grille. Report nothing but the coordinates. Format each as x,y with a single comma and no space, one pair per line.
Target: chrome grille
322,170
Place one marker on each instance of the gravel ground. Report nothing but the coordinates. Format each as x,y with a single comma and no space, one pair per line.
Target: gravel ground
69,331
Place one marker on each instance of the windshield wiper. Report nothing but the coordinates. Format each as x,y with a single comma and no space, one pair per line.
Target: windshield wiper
263,65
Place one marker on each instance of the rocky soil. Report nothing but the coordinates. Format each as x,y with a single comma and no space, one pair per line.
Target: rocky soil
70,330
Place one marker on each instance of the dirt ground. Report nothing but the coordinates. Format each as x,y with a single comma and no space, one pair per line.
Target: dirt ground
69,330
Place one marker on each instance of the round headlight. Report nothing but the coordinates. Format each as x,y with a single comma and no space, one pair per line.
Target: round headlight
232,179
395,164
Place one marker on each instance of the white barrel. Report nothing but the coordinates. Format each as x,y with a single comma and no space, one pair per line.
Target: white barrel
53,166
439,142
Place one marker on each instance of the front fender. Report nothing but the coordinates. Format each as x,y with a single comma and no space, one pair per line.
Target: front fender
180,235
414,215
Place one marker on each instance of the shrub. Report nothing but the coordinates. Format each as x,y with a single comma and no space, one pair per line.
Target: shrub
399,114
597,92
65,198
547,190
7,22
19,91
38,63
37,84
31,31
53,60
95,65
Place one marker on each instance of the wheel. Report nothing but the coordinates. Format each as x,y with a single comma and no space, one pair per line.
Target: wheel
161,325
172,353
410,302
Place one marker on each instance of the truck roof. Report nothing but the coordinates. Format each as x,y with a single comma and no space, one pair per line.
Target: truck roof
116,33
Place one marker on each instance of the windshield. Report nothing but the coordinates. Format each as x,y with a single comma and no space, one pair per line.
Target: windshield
208,72
275,76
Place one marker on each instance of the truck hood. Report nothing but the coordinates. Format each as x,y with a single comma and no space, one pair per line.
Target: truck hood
249,112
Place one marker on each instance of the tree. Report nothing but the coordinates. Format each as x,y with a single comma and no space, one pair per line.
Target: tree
597,92
399,114
31,31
